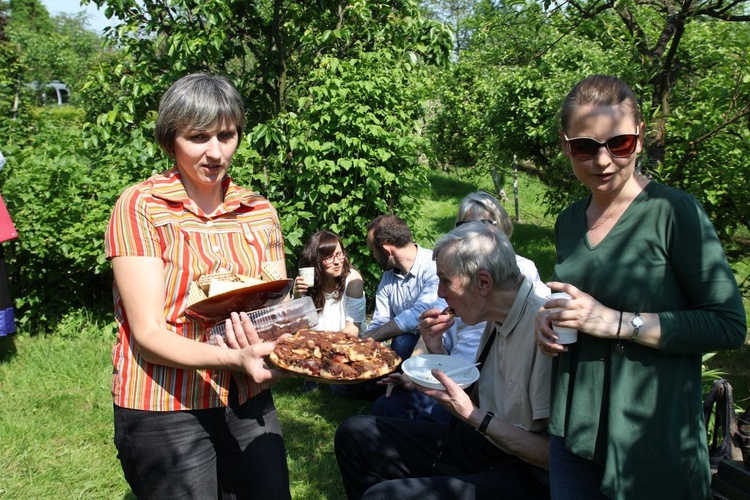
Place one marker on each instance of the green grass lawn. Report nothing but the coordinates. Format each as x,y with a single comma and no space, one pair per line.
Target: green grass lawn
56,409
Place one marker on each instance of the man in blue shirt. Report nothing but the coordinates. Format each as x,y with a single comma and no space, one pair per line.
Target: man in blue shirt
408,286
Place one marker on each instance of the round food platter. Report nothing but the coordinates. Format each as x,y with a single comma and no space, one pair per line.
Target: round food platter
333,357
324,380
218,308
419,370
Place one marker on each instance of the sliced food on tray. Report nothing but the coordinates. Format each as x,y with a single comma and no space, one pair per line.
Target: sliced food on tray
334,357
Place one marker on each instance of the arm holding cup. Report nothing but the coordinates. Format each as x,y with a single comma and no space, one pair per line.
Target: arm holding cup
305,281
586,315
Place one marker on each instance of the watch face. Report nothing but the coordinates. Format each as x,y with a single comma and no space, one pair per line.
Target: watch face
637,321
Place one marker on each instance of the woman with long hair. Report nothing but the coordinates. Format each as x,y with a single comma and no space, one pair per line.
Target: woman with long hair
338,292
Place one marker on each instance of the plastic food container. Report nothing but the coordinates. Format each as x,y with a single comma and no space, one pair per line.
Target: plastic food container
272,322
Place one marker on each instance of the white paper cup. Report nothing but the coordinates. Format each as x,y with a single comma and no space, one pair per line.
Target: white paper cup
308,273
565,335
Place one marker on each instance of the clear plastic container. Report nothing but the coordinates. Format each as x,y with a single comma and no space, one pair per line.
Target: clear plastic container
271,322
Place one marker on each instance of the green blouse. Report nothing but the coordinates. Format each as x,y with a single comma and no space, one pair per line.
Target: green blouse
639,413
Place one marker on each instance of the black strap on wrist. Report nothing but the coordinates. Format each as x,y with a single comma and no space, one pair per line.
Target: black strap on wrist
482,429
618,346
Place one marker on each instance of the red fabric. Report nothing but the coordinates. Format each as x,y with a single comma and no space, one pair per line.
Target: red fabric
7,229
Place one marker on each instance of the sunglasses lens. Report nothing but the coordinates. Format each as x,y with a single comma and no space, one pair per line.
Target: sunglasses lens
621,146
583,148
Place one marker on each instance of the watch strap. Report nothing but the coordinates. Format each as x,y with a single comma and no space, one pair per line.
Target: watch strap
482,429
637,322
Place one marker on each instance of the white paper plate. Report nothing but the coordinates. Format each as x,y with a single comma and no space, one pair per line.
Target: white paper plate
419,369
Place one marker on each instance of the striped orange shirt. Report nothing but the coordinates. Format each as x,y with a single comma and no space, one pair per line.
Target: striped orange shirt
157,219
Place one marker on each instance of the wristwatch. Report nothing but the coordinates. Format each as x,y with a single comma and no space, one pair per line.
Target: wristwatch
637,323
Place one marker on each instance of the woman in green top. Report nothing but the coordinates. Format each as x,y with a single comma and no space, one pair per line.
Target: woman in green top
651,291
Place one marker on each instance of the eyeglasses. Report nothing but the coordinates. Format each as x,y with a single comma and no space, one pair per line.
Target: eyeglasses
340,256
491,222
619,146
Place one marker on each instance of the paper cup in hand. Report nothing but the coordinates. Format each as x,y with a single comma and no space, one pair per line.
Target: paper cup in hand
308,273
565,335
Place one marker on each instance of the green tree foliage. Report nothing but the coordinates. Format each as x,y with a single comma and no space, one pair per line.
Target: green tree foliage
48,183
334,93
55,199
51,48
684,60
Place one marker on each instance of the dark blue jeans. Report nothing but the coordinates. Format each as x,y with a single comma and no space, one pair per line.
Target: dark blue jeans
409,405
572,477
386,458
235,452
404,344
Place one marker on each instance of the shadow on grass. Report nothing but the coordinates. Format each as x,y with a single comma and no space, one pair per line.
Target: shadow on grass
536,243
449,188
8,349
309,421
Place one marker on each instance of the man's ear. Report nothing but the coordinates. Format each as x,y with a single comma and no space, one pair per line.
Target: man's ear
484,282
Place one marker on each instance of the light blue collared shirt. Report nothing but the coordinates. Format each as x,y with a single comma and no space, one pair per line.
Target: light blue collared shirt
402,297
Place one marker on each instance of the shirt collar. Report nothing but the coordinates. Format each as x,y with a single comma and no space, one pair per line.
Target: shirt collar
517,310
419,260
168,186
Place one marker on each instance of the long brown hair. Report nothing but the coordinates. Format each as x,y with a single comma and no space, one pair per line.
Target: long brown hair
320,246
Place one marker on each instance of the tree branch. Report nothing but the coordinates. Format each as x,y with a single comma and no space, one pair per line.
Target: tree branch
641,39
687,157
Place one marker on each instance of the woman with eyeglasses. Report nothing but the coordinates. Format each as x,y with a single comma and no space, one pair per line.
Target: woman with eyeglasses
651,292
338,293
483,207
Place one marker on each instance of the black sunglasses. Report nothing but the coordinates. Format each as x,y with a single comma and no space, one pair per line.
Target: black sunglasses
483,221
619,146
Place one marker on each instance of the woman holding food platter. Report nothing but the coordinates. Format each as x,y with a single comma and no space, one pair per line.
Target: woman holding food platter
650,291
193,420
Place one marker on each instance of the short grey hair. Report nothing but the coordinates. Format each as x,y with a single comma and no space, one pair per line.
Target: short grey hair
473,206
198,102
474,246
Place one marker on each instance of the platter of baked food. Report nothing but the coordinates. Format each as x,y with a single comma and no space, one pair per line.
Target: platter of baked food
334,357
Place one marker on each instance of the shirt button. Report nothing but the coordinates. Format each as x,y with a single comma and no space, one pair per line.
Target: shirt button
223,269
209,223
217,248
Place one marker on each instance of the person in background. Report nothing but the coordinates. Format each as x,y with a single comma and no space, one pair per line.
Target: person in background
192,420
496,446
338,293
460,340
651,292
7,232
482,206
408,285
